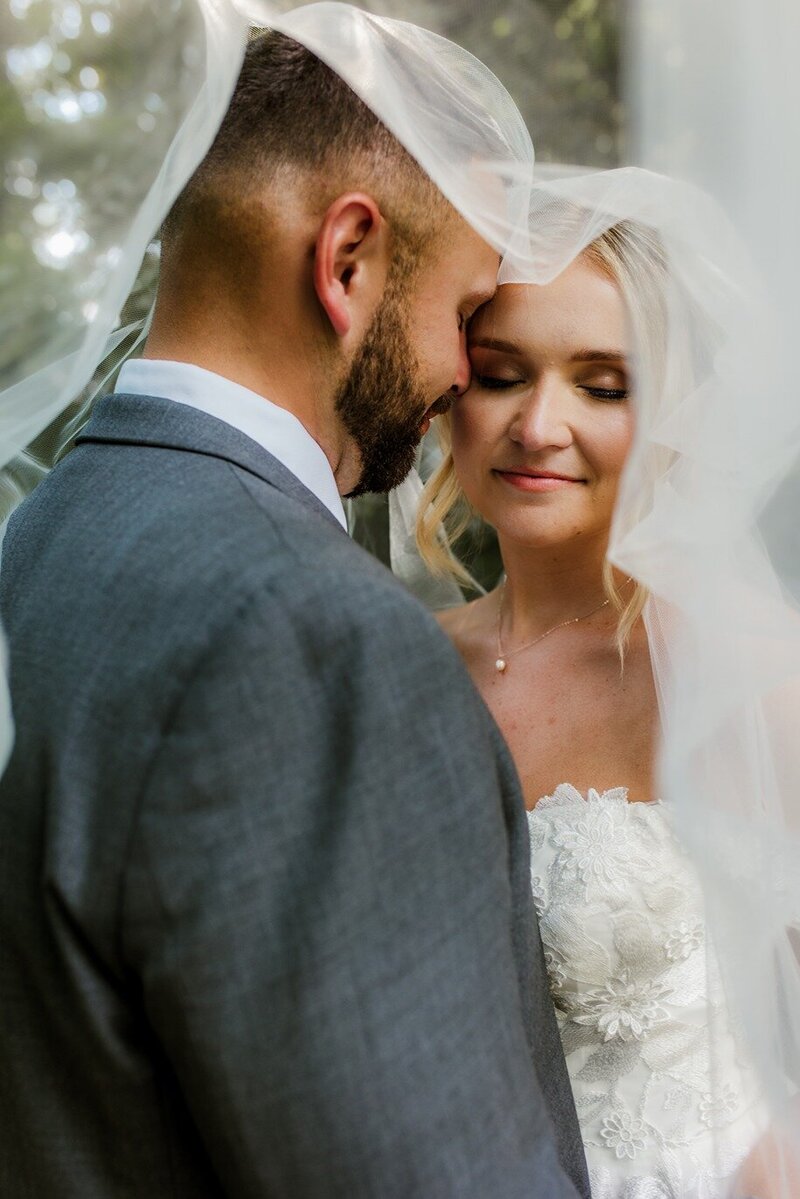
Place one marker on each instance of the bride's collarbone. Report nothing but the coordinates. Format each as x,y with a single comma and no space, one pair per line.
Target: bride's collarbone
579,720
567,710
577,675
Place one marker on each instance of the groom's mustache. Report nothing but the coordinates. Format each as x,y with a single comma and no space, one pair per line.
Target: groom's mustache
440,406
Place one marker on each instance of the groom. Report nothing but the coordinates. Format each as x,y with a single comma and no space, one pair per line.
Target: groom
265,913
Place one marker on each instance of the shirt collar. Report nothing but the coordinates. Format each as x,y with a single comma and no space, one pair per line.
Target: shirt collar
278,431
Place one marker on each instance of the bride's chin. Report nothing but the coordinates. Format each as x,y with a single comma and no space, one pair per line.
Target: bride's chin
534,536
544,525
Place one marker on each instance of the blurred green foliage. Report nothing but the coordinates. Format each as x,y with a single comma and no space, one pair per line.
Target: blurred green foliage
83,94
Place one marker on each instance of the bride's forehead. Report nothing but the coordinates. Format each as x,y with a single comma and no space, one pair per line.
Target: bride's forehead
580,302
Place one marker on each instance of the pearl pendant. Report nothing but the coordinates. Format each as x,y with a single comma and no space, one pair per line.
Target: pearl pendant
500,665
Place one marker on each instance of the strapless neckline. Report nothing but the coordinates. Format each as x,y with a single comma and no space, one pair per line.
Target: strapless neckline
593,794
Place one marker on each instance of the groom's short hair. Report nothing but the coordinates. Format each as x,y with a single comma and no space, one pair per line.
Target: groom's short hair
290,112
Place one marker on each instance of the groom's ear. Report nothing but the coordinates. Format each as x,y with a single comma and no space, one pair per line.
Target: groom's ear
351,260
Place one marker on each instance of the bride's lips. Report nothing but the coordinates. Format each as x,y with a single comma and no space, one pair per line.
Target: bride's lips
537,480
425,425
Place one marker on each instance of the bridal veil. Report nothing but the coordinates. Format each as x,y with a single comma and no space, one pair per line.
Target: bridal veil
707,517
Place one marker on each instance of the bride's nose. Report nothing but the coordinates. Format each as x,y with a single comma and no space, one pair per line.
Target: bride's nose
542,419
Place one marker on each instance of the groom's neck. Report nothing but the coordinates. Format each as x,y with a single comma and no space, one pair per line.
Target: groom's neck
262,347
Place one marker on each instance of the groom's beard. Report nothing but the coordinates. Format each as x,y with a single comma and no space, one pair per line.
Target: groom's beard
381,402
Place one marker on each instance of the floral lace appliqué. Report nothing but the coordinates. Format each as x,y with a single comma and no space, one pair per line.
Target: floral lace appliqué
717,1110
624,1134
625,1008
665,1105
596,843
687,937
555,971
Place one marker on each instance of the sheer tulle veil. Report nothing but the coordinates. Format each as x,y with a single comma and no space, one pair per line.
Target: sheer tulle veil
706,517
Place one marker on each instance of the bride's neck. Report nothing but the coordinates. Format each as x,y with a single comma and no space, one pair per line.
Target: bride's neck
546,586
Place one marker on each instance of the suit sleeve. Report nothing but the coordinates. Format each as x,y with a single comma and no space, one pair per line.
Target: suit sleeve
317,906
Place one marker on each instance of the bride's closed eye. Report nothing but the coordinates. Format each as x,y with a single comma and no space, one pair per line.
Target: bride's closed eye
605,380
607,394
502,383
494,382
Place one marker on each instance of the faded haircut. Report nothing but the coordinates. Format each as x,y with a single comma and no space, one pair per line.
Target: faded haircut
291,115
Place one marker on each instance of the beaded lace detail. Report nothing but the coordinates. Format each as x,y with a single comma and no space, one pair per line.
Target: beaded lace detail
667,1106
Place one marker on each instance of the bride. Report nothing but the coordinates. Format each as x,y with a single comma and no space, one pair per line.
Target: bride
667,1102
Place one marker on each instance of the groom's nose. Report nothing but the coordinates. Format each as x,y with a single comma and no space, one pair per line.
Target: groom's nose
464,370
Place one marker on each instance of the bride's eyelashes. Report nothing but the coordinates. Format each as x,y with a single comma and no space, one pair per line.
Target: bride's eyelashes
495,383
609,384
609,395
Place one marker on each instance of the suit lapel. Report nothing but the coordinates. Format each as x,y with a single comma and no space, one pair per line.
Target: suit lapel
165,424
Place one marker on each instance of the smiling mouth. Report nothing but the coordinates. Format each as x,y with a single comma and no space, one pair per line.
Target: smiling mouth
539,480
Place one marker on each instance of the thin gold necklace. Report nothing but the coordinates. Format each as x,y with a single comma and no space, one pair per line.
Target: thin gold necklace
501,663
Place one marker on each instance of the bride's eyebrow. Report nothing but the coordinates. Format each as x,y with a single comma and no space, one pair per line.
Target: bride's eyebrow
598,356
495,343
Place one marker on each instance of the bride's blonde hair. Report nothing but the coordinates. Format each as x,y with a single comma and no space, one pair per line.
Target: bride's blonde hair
632,256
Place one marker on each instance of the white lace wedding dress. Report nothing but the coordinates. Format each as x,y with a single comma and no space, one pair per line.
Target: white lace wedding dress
662,1114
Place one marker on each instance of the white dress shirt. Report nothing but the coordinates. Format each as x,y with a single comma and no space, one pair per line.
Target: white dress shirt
277,430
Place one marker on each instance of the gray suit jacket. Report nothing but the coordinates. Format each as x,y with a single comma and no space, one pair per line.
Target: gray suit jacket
265,916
